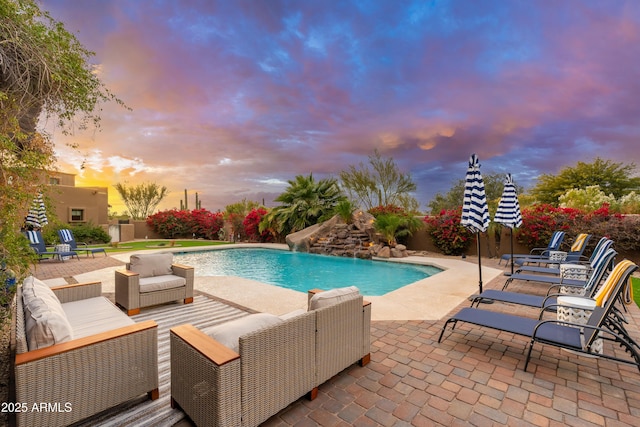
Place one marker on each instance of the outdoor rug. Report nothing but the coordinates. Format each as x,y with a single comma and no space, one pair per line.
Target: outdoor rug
203,312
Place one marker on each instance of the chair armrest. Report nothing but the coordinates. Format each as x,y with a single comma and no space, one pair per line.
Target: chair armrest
188,273
72,372
127,289
205,378
77,291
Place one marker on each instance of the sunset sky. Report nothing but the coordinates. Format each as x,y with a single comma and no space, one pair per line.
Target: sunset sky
233,98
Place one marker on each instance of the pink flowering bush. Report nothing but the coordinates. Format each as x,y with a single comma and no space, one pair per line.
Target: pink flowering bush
251,226
448,235
199,223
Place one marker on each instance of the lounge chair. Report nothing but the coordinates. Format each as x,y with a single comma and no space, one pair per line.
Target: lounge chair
556,280
36,241
554,245
573,255
603,244
588,290
66,236
568,335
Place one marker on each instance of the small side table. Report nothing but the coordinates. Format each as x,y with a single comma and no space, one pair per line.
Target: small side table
577,310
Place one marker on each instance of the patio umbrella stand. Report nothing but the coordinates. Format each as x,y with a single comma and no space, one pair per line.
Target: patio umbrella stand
475,211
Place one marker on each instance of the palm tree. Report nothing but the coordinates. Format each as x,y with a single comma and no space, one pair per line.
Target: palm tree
392,226
305,202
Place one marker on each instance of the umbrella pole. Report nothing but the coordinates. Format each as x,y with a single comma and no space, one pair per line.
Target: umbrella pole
479,262
511,235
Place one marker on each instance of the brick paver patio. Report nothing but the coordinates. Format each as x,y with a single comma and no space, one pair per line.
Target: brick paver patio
474,377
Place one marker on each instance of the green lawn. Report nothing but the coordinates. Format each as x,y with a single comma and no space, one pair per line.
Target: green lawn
635,286
139,245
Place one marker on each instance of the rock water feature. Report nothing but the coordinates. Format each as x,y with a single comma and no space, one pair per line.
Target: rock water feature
335,237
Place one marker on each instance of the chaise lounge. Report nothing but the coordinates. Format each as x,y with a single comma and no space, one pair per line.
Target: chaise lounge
74,348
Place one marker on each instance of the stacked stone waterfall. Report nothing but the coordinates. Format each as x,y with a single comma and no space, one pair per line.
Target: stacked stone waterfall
343,240
335,237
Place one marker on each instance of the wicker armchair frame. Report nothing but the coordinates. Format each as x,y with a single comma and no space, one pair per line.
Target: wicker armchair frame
128,294
215,386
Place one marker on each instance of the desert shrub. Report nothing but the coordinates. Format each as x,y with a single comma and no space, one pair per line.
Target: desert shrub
251,226
447,234
89,233
387,209
86,233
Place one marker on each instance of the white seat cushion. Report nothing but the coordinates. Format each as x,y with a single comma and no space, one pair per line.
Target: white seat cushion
229,333
94,315
334,296
159,283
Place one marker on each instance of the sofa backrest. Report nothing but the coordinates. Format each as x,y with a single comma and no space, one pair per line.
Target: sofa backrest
277,366
339,336
20,333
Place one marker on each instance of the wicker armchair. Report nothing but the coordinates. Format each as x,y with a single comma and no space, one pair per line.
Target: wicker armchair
152,279
85,375
273,366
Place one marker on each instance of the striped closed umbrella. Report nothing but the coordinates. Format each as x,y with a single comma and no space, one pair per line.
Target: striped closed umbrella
508,213
475,211
37,215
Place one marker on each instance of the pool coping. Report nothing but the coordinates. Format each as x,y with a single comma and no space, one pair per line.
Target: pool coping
427,299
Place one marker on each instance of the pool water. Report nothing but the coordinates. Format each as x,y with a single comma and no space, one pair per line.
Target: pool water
302,271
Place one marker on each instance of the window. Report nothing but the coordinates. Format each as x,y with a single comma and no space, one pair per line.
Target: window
77,214
54,181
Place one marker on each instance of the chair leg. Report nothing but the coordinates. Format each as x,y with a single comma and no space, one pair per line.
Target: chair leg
188,300
154,394
526,363
133,312
365,360
313,393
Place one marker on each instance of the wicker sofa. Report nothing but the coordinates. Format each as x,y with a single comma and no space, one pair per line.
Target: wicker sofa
77,353
271,366
151,279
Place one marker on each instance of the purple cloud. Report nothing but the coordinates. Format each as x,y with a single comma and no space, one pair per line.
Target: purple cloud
231,99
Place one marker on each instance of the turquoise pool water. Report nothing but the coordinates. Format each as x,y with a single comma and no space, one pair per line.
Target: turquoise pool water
303,271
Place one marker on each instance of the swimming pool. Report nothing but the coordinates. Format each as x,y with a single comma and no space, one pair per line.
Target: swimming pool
302,271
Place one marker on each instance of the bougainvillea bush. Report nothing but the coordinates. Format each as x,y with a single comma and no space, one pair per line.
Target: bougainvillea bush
251,226
448,235
540,221
199,223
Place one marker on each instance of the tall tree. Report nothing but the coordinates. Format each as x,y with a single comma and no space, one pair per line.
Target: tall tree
379,183
142,199
613,178
44,70
305,202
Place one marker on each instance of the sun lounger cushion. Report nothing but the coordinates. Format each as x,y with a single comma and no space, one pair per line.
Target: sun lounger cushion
229,333
94,315
159,283
149,265
45,321
332,297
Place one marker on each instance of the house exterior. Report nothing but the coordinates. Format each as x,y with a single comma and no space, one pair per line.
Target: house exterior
76,205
